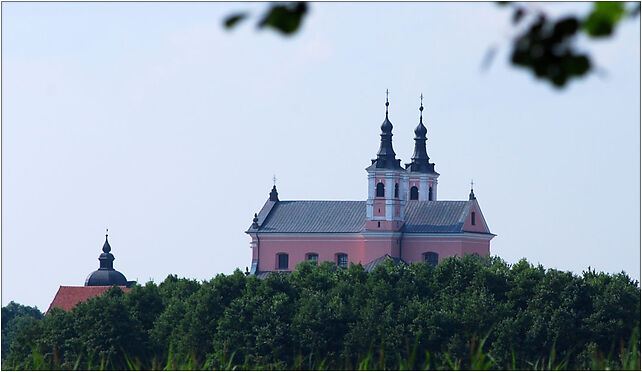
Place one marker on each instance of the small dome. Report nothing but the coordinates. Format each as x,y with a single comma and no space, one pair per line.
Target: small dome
106,275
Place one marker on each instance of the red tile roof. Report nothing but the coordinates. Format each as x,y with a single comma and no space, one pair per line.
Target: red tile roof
68,297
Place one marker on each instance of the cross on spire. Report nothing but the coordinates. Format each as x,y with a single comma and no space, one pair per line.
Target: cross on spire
106,232
274,179
387,103
471,183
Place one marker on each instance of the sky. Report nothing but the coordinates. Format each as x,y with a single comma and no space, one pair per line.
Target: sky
152,120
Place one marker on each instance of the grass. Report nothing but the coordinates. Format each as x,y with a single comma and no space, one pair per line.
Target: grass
628,358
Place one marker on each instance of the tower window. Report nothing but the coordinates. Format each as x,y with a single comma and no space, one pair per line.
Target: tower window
472,218
282,259
396,190
378,224
342,260
431,258
314,258
414,193
380,190
430,193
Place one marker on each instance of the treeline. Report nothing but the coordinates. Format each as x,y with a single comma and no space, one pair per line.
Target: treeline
474,312
15,317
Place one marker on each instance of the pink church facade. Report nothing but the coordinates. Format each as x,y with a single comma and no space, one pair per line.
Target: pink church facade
402,219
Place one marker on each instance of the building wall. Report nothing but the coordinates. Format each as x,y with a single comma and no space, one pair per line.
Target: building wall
361,249
376,246
476,246
298,245
479,221
413,249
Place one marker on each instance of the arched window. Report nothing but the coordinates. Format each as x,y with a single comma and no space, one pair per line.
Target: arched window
282,261
313,257
396,190
414,193
431,258
472,218
430,193
380,190
342,260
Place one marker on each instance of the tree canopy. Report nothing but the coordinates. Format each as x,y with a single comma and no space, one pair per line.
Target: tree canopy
414,316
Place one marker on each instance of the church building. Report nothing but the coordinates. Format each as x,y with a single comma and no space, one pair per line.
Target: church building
402,218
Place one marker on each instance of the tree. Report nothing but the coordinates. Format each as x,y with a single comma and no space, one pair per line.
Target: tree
466,313
15,317
546,47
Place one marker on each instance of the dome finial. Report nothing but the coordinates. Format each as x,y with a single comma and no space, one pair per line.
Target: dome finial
106,246
421,108
471,196
387,103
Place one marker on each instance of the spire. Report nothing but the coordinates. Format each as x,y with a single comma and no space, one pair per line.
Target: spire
471,196
386,155
420,160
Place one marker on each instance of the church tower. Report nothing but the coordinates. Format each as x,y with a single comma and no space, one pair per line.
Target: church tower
386,185
422,178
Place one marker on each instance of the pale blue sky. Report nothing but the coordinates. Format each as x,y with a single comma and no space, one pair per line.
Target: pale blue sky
152,120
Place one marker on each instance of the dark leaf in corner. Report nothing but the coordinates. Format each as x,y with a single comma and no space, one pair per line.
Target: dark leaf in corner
285,18
232,20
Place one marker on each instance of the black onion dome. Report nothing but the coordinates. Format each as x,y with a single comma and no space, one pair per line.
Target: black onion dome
106,246
421,130
386,126
106,275
386,157
420,162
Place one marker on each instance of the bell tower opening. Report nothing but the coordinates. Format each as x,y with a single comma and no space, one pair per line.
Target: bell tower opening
414,193
381,190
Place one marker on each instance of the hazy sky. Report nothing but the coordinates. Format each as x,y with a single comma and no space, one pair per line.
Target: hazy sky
152,120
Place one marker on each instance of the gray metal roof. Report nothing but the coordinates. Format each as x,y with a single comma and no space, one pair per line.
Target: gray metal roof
438,216
314,216
341,216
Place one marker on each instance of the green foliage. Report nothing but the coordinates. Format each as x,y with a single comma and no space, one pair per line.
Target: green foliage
285,18
465,313
602,20
546,47
15,317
